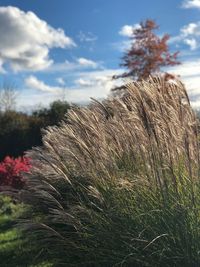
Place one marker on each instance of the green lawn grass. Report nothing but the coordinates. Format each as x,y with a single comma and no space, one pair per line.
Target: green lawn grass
13,249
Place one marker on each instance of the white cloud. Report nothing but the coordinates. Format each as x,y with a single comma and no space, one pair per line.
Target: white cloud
87,37
189,34
60,81
122,46
190,74
78,64
83,82
33,83
62,67
26,40
192,43
187,68
96,84
87,62
191,29
191,4
29,100
127,30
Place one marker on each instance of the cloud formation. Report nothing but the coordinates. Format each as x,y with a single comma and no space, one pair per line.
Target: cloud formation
27,40
189,35
84,62
192,43
60,81
127,30
77,64
83,82
34,83
87,37
96,84
191,4
190,74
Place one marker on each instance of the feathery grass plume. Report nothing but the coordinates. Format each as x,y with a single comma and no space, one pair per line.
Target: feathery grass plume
117,183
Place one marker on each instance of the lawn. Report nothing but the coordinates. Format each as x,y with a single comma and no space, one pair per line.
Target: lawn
13,249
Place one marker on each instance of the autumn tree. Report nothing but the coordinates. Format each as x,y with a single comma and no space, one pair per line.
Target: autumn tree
148,52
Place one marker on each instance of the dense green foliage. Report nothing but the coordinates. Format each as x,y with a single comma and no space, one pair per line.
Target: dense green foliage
54,114
20,131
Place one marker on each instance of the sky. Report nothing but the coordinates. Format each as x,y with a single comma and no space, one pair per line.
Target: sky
70,49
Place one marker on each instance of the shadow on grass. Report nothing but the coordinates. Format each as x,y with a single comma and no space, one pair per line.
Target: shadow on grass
15,251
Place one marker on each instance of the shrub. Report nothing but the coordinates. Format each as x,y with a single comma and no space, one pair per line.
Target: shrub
20,131
54,114
118,183
11,171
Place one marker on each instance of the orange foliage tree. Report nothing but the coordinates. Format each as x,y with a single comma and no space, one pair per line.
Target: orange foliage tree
148,52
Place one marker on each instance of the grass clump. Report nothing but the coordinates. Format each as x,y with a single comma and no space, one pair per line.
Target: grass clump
15,249
117,183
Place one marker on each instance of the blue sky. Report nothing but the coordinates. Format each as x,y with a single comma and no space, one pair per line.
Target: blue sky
69,49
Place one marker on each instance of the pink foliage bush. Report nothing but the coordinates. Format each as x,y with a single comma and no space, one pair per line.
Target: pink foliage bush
11,171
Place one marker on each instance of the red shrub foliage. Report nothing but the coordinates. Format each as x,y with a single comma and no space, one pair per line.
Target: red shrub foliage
11,171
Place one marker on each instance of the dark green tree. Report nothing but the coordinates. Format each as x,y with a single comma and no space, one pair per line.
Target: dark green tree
20,131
